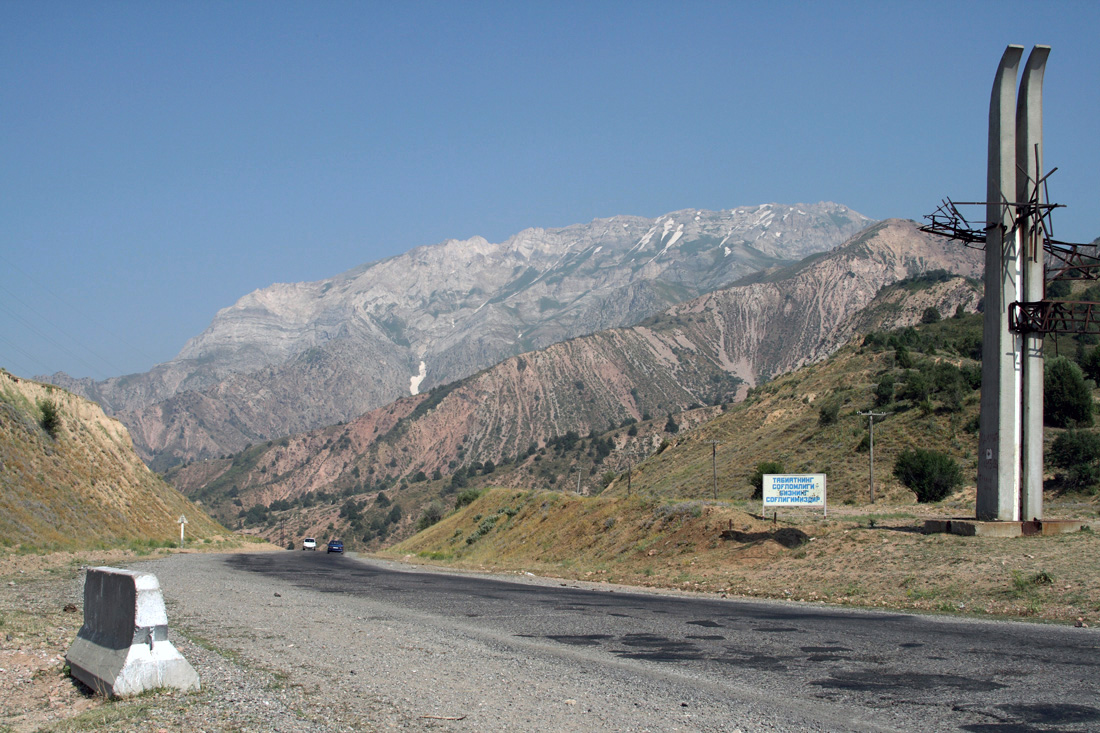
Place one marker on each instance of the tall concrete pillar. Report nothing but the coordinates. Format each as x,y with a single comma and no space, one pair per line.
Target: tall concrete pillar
999,455
1029,167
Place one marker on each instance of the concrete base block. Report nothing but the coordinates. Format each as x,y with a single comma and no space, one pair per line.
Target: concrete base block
122,648
976,528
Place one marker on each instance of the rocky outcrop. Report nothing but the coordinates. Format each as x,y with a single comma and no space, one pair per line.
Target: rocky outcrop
292,357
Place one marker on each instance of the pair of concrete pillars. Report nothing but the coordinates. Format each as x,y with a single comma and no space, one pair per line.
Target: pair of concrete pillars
1010,444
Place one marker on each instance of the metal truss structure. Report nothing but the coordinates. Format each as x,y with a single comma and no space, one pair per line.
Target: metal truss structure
1063,261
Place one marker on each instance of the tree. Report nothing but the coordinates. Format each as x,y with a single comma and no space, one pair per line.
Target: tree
931,315
1090,364
884,390
917,386
930,474
1077,452
902,357
828,413
671,425
757,477
1067,399
51,418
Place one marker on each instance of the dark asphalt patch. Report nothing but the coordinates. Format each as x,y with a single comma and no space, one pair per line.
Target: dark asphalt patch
758,662
580,639
705,622
1052,714
654,648
875,680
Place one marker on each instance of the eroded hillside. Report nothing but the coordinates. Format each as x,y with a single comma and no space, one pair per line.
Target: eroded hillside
69,476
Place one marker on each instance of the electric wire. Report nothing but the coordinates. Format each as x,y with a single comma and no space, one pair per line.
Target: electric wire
112,367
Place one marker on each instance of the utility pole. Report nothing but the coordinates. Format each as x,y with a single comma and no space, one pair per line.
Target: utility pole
714,465
629,466
871,415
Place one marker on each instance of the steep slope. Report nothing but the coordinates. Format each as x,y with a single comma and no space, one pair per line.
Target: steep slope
69,476
292,357
707,351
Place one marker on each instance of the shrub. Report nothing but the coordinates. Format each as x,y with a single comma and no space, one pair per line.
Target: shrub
431,514
930,474
469,496
828,413
1090,364
1068,401
757,477
931,315
917,386
1077,453
884,390
902,357
51,418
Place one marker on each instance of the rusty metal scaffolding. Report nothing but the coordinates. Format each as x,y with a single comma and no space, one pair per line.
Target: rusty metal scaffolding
1063,261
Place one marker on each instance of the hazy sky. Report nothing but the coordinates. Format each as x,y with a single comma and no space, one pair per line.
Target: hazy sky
159,160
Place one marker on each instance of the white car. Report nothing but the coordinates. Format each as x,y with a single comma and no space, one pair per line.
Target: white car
309,544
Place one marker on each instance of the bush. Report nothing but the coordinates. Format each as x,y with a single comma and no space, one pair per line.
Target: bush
931,315
432,514
903,358
1077,452
757,478
1090,364
1068,400
51,418
916,387
828,413
884,390
469,496
931,475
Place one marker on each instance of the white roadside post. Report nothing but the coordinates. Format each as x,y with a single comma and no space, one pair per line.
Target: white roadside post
182,521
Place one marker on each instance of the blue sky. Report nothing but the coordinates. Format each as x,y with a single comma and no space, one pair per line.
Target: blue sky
162,159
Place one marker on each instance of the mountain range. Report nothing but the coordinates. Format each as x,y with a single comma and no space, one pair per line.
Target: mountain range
705,351
293,357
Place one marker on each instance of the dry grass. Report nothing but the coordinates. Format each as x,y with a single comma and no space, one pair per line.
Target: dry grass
871,559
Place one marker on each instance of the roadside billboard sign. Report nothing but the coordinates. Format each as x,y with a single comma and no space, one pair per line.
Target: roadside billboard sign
794,489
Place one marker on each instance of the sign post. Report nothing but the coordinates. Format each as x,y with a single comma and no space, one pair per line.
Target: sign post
783,490
182,521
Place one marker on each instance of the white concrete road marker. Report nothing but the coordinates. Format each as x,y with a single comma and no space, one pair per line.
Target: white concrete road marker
122,648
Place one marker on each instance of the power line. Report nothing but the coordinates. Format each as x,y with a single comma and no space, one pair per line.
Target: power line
72,308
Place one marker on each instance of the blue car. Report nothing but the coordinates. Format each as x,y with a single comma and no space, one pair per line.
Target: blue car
335,546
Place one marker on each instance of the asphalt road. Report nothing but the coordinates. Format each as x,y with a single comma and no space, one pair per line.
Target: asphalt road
837,669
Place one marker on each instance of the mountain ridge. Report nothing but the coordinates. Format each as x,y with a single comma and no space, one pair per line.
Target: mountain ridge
296,356
707,351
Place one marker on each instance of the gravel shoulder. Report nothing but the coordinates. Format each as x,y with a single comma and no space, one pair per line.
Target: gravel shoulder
274,657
